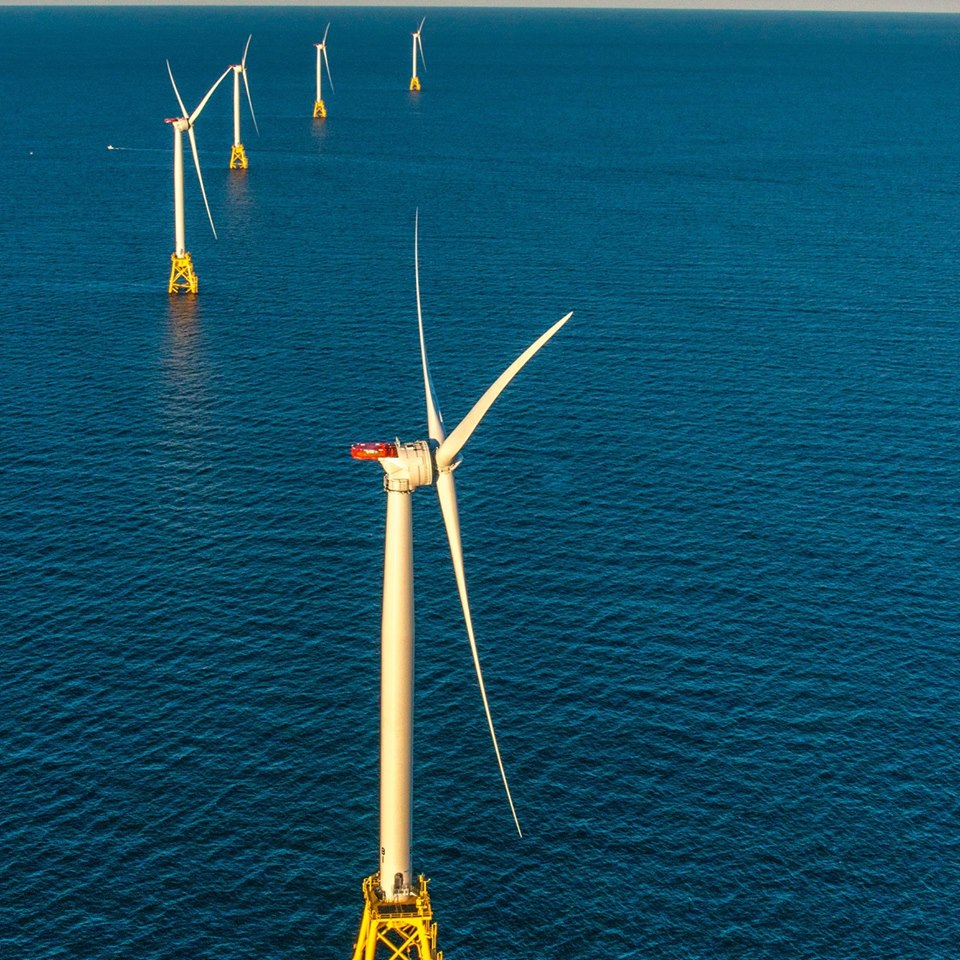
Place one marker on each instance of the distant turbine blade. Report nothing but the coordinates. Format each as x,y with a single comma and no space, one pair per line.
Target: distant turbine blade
420,47
183,109
246,85
325,32
203,102
326,62
434,416
243,62
422,22
461,434
196,163
447,495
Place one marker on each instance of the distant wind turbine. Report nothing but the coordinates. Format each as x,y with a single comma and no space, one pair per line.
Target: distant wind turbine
397,914
182,275
417,44
319,110
238,156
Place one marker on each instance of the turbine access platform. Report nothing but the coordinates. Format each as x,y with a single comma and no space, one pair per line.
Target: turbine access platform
238,157
183,278
403,928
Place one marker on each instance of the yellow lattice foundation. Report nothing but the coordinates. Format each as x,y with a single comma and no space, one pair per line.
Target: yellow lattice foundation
392,930
414,83
238,157
319,110
182,277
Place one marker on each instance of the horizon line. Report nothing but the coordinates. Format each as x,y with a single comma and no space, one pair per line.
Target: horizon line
705,6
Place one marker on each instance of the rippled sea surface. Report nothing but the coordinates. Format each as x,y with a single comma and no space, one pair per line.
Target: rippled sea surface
712,530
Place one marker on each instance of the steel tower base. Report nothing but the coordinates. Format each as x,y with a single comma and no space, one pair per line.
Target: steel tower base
319,111
182,277
238,157
396,930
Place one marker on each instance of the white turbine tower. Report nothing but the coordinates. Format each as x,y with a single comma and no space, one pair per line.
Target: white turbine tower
182,275
417,44
238,156
397,912
319,110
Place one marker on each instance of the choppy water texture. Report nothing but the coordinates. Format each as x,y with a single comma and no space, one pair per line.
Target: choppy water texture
712,530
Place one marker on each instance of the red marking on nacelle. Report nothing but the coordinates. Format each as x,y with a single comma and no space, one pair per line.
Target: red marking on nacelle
373,451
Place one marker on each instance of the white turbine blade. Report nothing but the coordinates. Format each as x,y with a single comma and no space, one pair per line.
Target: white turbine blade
462,432
183,109
447,495
196,162
420,47
203,102
246,85
422,22
243,62
434,416
326,62
325,32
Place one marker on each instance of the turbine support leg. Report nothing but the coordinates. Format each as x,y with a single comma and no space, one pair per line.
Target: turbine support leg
319,111
183,279
238,157
396,929
414,83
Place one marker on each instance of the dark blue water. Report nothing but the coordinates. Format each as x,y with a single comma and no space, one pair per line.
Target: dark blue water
712,531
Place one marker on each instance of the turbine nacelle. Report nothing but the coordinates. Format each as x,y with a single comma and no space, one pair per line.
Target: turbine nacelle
406,465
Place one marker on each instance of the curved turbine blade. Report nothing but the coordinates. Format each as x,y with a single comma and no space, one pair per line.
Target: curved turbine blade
326,62
183,109
422,22
434,416
325,32
243,62
420,47
196,162
461,434
209,94
447,494
246,85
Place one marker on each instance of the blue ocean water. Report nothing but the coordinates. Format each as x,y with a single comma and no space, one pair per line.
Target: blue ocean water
712,530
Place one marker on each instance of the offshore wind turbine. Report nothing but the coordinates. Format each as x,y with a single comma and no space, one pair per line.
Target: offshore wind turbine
238,156
397,915
182,275
319,110
417,43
